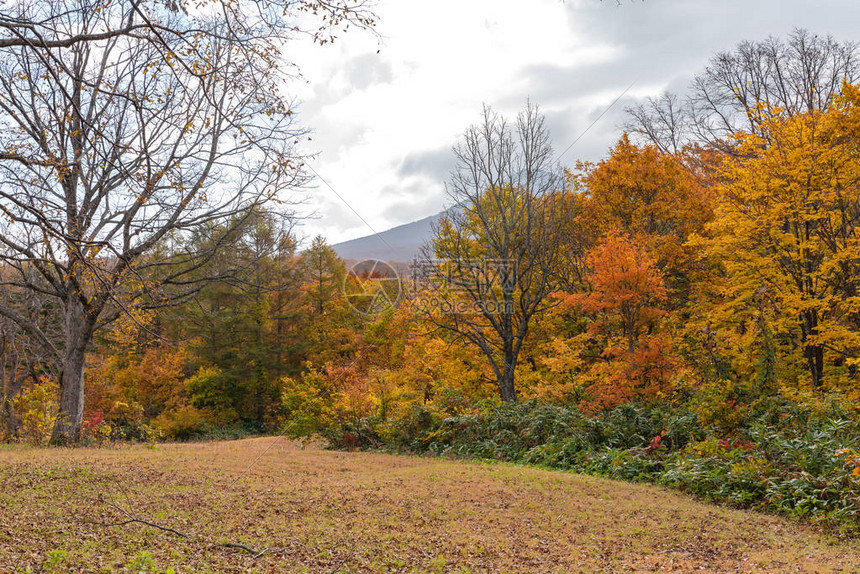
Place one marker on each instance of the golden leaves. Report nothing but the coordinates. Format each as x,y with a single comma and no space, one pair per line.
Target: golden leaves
785,236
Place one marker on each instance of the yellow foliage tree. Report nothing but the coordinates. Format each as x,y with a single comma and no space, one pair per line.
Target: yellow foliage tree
785,236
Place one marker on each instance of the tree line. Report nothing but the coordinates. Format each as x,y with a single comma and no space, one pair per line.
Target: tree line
711,258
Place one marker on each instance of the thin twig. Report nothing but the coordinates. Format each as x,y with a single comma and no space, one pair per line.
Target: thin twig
133,518
342,562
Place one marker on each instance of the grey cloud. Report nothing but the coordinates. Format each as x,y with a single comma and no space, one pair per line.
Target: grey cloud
658,43
572,125
369,69
420,206
362,72
419,196
435,164
663,41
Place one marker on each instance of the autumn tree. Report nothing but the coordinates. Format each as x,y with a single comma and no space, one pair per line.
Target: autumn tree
627,289
786,238
125,126
626,299
498,253
652,196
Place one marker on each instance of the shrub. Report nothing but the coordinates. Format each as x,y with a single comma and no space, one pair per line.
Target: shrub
181,423
38,407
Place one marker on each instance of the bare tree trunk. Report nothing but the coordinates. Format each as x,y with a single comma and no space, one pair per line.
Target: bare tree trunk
507,390
10,419
816,365
814,353
78,333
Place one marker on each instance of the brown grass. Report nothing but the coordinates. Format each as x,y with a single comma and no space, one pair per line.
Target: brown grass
320,511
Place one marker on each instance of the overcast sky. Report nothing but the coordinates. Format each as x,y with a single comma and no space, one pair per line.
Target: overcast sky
384,123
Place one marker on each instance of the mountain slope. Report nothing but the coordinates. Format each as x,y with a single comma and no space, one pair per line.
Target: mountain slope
398,244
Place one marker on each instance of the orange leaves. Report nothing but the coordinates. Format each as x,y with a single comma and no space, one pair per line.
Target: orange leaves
651,195
621,376
153,379
658,200
623,275
626,359
626,288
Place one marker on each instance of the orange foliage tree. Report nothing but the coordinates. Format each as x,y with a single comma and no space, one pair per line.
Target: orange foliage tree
656,198
628,359
627,286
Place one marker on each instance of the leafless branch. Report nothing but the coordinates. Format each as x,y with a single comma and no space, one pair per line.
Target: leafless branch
740,87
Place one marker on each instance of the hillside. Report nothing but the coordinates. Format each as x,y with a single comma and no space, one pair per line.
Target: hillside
302,509
398,244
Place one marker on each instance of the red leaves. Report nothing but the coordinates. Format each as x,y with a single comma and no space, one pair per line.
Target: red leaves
728,444
92,420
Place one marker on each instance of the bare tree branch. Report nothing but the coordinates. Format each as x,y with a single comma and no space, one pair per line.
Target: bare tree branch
740,87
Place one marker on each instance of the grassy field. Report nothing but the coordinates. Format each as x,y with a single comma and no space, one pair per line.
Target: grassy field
309,510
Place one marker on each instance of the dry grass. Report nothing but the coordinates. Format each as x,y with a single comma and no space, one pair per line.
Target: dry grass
320,511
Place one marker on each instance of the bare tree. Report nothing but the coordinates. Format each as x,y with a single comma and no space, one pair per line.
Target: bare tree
737,87
254,26
664,121
125,127
499,251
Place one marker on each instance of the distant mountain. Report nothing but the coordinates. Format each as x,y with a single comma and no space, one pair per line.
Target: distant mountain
399,244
